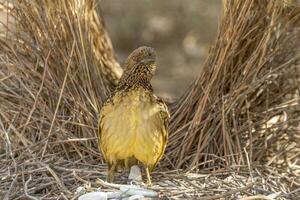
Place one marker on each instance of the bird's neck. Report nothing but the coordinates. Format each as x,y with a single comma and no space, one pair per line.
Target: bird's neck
129,82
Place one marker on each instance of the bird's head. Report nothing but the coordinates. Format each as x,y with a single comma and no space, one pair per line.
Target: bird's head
142,59
140,67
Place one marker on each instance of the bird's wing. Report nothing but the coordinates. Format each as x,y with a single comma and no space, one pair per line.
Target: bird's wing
164,113
100,132
165,116
101,115
99,126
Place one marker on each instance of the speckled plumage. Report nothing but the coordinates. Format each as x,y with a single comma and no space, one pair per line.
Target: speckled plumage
133,122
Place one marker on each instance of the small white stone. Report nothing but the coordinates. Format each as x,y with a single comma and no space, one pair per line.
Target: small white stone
136,197
135,174
94,196
138,191
80,190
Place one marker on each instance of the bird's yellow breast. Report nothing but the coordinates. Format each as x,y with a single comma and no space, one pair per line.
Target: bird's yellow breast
132,126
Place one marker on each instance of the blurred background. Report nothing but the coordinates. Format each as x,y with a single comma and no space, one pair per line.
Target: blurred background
180,31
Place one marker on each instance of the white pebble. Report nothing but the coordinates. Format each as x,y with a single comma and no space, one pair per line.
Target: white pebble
80,190
135,173
94,196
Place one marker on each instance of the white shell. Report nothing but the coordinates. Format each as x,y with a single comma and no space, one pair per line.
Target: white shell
94,196
135,174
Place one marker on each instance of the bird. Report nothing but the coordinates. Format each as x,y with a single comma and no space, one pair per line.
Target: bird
133,122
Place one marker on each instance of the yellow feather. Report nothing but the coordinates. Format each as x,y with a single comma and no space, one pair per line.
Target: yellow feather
132,125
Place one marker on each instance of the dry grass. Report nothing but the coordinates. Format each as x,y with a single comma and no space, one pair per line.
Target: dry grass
51,74
57,67
246,98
